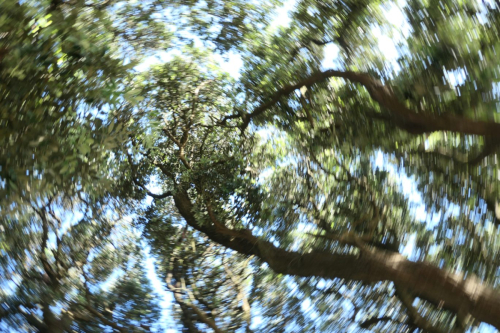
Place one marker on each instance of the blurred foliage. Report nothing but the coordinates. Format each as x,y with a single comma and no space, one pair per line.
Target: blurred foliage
73,272
280,200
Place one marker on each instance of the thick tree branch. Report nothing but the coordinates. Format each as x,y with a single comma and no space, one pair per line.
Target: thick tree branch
402,116
336,290
423,280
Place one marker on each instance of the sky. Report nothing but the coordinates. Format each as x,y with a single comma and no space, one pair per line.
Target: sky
164,296
232,64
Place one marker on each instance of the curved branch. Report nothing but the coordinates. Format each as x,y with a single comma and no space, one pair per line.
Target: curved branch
403,117
133,168
423,280
159,196
460,158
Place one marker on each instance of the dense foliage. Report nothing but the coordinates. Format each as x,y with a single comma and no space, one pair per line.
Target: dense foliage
278,198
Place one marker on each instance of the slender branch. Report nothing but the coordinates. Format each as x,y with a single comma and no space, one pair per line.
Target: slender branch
101,6
373,321
43,257
490,147
33,320
335,290
349,238
201,315
196,93
105,320
136,181
92,310
415,317
57,253
241,295
296,50
180,145
224,120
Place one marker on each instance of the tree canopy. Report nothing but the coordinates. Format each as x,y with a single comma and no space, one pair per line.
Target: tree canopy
344,179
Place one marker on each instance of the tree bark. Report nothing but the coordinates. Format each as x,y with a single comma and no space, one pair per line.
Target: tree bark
451,291
403,117
54,324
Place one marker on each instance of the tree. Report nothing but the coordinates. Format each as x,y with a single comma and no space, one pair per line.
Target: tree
72,274
267,194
